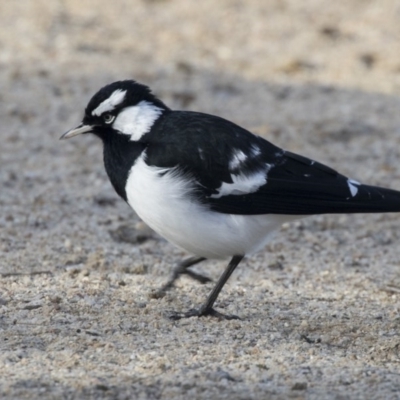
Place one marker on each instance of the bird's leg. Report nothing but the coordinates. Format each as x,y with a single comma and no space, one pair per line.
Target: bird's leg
182,268
207,307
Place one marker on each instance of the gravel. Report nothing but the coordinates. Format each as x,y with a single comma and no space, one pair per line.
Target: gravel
319,307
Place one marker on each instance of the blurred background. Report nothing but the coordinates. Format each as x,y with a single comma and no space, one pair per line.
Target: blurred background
351,43
282,68
77,268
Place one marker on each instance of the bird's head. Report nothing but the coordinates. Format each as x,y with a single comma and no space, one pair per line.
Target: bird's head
120,108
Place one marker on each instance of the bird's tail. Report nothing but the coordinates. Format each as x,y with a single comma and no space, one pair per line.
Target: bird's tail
361,199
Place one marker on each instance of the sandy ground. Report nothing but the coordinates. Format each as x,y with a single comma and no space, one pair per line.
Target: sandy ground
78,271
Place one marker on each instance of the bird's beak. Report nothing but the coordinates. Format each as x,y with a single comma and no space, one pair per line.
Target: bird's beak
77,131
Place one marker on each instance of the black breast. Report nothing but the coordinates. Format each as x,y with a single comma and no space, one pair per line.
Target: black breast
120,155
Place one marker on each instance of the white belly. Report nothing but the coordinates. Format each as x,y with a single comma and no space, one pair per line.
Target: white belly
164,202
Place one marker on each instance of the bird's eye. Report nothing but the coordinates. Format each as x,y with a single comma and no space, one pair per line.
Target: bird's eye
108,118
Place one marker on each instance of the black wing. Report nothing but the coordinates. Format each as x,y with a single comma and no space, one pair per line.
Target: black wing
300,186
218,154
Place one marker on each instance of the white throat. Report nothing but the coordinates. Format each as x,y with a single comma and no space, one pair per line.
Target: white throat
137,120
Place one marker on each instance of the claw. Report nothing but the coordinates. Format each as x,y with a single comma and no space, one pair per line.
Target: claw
211,312
181,269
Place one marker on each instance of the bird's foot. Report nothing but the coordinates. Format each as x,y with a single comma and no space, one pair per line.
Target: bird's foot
198,277
194,275
201,312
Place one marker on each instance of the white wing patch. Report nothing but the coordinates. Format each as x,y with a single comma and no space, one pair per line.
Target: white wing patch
238,157
137,120
117,97
201,154
353,186
255,150
243,184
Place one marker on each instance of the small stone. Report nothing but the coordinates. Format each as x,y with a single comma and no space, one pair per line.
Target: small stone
104,201
221,374
31,306
102,387
55,299
3,302
130,234
300,386
136,269
276,266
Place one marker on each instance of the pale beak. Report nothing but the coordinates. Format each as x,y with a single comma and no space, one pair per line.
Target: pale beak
77,131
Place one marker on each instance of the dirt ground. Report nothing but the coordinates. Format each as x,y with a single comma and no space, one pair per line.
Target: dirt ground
319,308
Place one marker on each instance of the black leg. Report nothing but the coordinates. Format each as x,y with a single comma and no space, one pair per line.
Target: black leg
207,307
182,268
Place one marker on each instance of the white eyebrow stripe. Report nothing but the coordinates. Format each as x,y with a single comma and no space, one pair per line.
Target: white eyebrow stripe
117,97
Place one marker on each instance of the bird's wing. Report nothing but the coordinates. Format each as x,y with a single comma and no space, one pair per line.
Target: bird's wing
299,186
240,173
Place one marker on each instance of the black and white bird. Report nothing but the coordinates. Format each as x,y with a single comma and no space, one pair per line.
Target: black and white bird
209,186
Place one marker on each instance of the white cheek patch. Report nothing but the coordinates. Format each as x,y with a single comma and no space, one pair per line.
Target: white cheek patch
109,104
137,120
353,186
238,158
243,184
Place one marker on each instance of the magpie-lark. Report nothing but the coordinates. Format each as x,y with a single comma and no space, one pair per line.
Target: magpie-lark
209,186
